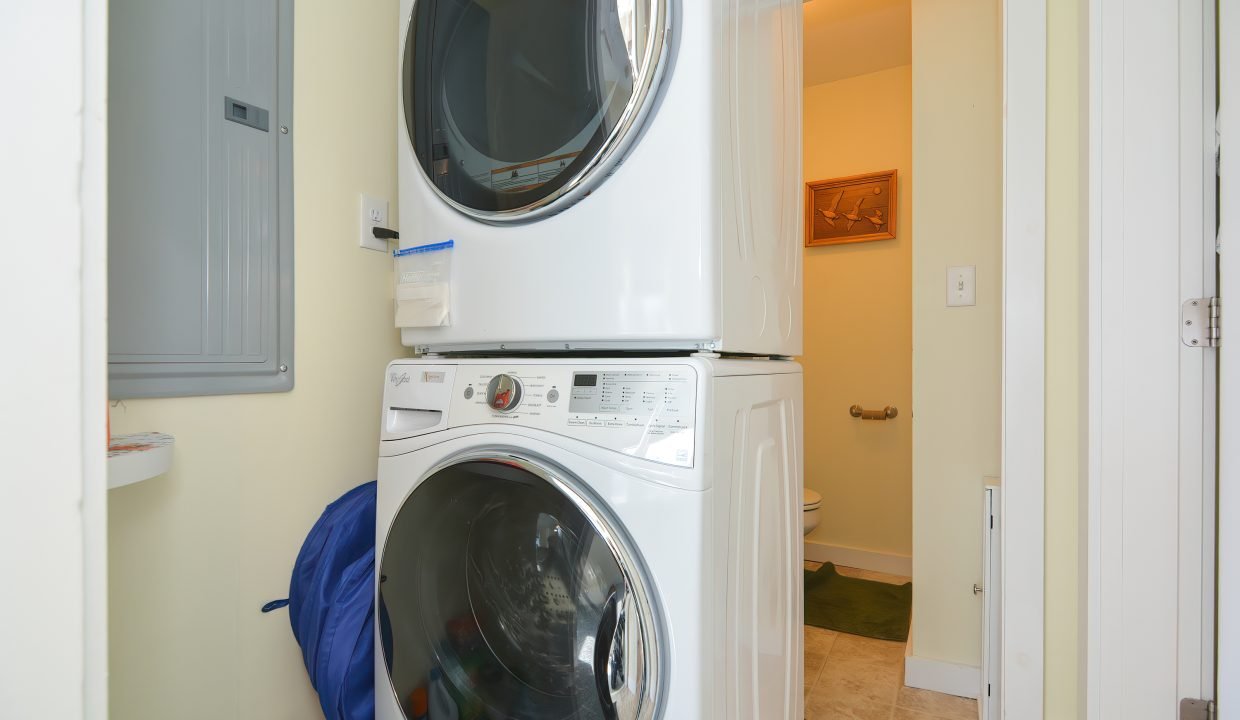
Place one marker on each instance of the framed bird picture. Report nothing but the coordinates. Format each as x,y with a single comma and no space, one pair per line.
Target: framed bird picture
852,209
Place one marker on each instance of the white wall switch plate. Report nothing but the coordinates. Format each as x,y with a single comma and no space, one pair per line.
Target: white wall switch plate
374,214
962,286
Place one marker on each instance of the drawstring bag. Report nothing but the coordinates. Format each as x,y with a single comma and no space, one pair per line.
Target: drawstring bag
331,605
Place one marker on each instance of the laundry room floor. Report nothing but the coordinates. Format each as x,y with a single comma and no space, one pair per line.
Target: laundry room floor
848,677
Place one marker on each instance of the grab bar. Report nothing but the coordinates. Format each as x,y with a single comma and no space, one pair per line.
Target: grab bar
886,413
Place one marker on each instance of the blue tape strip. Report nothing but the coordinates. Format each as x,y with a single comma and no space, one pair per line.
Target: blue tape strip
425,248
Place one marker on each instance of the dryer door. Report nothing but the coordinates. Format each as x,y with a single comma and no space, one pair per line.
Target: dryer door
516,107
506,593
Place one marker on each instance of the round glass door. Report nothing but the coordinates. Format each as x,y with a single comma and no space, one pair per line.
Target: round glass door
506,596
513,105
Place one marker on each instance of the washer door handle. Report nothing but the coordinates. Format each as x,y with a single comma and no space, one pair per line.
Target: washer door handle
610,672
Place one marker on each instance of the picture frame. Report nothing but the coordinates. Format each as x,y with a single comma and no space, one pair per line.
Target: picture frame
853,209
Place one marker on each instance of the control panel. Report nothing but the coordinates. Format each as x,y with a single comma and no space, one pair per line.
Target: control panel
647,411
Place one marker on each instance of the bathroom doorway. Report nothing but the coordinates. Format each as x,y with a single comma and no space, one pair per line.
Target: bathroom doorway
902,375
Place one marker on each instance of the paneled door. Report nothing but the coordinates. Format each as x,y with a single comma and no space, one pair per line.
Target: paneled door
1153,370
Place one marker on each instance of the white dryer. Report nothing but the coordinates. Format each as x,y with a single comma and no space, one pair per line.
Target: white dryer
614,174
591,539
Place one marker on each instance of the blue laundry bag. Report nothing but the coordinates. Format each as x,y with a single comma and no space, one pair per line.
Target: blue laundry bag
331,600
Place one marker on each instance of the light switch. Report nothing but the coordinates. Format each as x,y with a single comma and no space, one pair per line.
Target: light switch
374,213
962,286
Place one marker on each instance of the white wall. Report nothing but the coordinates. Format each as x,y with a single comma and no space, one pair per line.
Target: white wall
53,661
197,552
956,351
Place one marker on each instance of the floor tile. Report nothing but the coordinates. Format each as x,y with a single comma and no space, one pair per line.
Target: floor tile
853,682
938,705
849,677
817,645
906,714
868,648
819,640
819,706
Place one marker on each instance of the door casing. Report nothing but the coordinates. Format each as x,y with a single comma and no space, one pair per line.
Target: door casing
1023,516
1228,607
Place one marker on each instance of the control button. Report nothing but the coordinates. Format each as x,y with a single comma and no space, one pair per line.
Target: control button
553,395
576,422
469,392
615,423
595,423
504,393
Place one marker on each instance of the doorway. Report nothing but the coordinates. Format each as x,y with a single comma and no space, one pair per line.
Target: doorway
893,86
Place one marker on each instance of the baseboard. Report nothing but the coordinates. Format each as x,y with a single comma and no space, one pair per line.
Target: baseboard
864,559
943,677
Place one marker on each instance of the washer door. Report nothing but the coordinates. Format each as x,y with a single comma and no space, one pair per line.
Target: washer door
514,106
506,593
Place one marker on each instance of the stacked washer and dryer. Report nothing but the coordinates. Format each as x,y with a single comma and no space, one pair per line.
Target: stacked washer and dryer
590,477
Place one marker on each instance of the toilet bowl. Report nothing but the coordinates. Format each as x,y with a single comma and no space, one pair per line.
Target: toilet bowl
811,510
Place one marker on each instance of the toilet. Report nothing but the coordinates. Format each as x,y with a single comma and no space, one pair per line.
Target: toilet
811,510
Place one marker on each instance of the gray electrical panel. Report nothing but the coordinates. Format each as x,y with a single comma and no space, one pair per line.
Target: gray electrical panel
200,207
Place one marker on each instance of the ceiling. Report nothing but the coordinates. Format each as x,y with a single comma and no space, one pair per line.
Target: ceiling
845,38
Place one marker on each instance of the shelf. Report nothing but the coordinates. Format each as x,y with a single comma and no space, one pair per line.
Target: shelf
138,457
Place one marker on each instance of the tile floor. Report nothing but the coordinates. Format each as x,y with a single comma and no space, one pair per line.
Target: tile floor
848,677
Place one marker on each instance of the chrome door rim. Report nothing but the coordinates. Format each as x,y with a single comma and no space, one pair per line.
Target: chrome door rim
617,146
622,550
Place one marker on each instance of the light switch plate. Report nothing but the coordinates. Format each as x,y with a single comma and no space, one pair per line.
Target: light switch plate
962,286
374,213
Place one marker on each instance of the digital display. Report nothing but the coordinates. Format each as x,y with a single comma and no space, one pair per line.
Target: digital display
580,380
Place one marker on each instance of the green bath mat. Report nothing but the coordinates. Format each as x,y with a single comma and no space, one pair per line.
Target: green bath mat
857,607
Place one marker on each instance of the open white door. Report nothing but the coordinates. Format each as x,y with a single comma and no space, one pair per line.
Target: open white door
1152,395
1228,691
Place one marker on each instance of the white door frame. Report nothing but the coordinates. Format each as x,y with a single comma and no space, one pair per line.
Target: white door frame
1149,505
1228,690
53,375
94,359
1024,358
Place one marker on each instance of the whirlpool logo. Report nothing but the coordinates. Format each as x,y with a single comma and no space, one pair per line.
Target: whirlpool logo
398,380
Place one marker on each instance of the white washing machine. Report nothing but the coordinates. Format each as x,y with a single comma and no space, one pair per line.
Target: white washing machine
590,539
614,174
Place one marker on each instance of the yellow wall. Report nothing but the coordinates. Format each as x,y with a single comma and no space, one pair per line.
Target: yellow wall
956,351
195,553
1065,354
858,322
957,357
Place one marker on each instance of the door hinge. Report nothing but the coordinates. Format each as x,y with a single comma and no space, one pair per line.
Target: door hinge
1201,322
1198,710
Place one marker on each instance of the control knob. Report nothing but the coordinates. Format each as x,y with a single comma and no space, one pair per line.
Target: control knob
504,393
